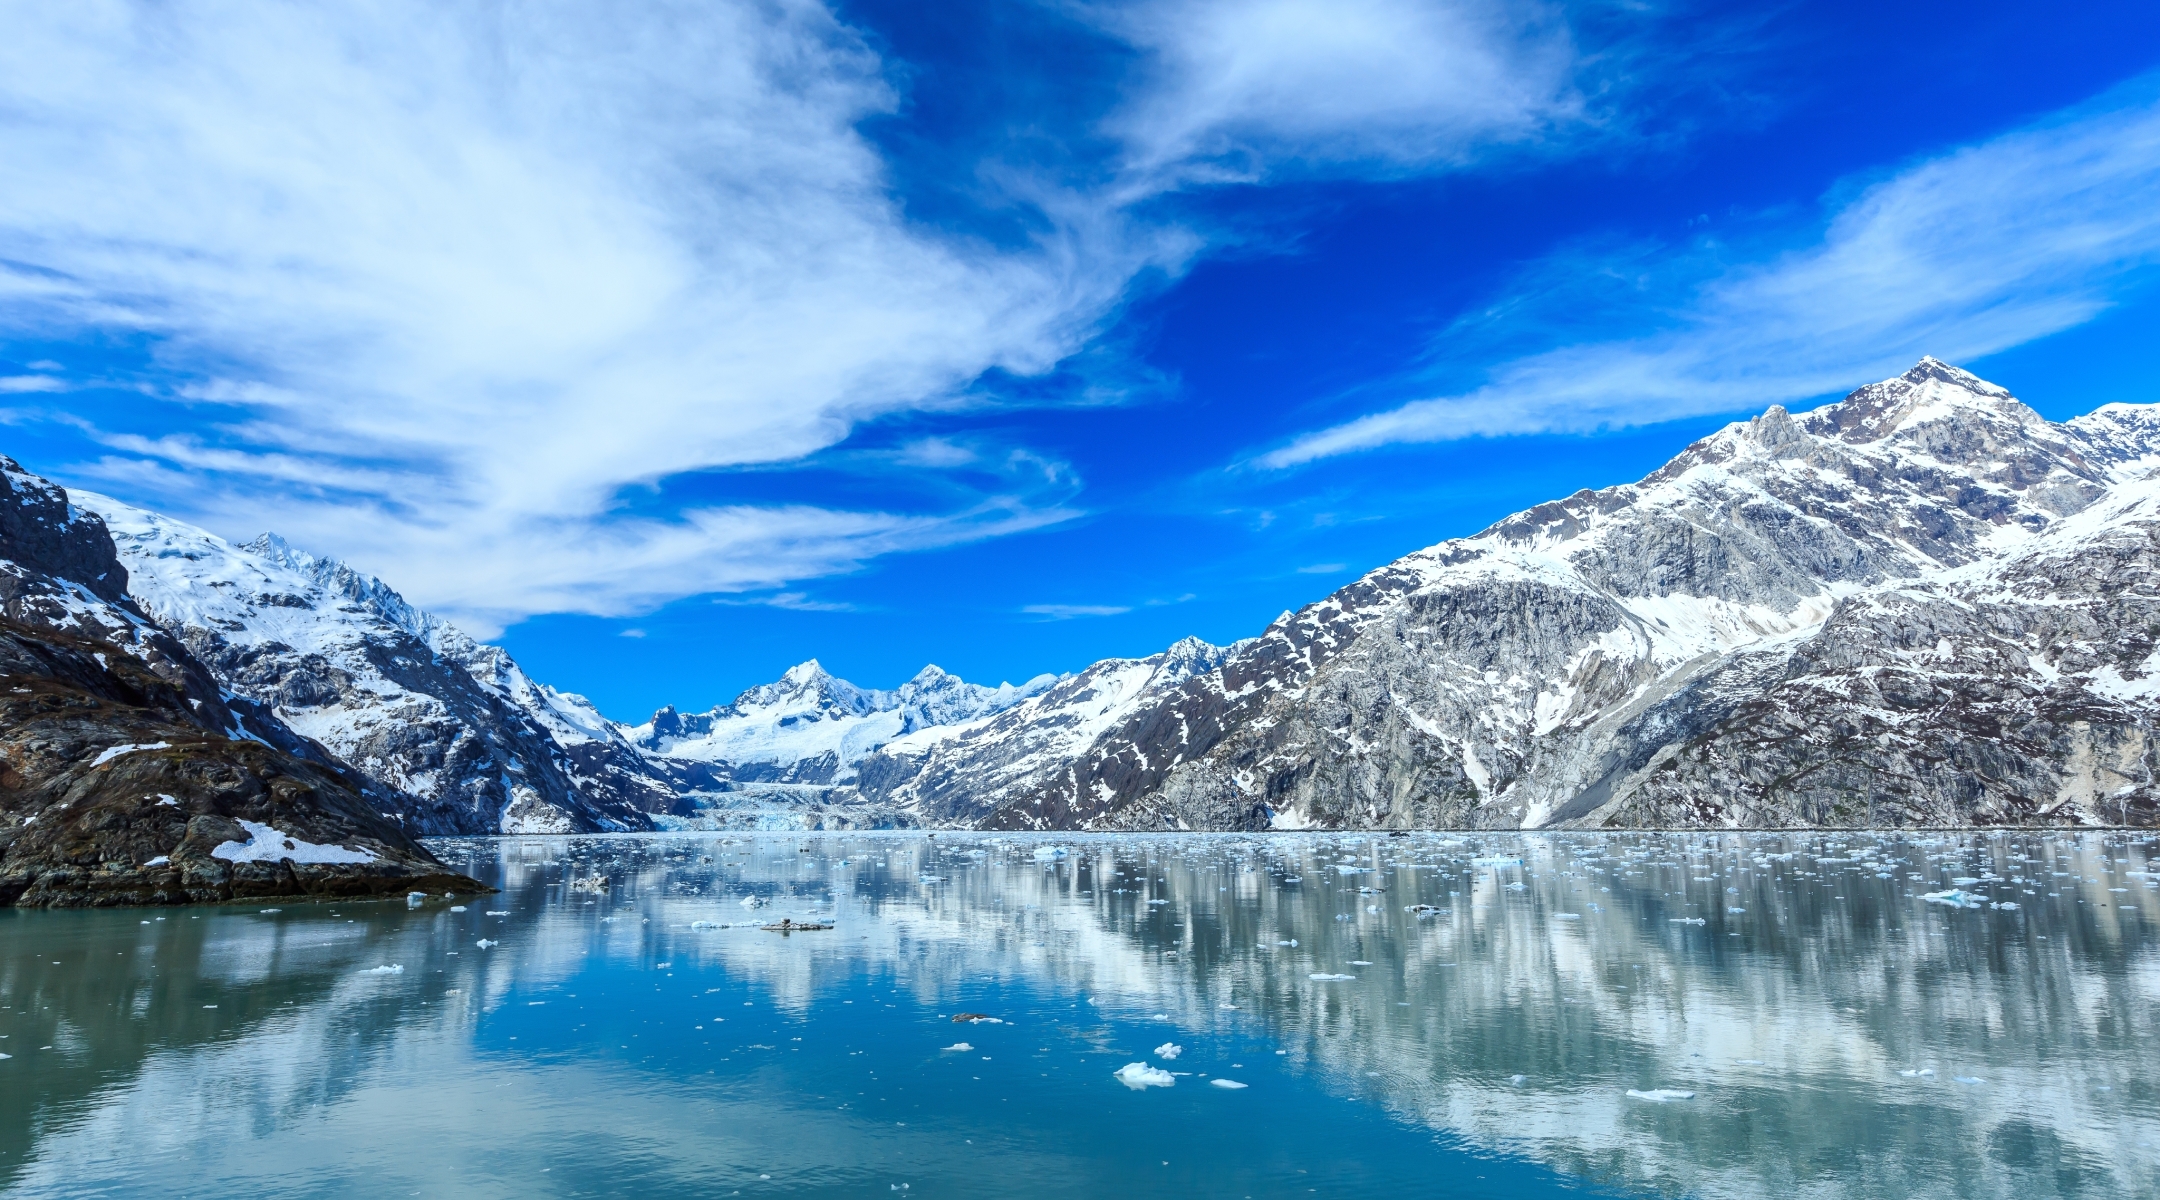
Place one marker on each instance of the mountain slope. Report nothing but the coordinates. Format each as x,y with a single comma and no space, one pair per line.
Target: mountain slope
1924,604
128,777
401,695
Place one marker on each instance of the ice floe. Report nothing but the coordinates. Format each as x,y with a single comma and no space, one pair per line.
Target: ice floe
1139,1076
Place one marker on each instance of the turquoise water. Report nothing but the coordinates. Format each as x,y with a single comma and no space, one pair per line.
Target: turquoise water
1840,1034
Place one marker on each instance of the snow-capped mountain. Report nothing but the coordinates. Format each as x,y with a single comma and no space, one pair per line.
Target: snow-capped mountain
403,696
128,776
1922,605
811,728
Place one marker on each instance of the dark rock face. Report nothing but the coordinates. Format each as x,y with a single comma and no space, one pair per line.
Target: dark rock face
1922,606
124,776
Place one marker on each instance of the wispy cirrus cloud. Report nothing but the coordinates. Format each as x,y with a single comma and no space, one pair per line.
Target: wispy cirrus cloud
1067,612
1229,89
448,291
455,277
1959,256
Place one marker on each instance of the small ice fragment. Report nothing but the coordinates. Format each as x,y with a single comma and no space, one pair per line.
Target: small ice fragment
1140,1076
385,969
959,1046
1496,861
1567,916
1968,1079
273,910
1169,1050
1226,1083
414,899
1736,910
457,908
1660,1095
485,944
1325,978
498,912
1051,853
704,924
1955,898
1359,962
753,901
1684,921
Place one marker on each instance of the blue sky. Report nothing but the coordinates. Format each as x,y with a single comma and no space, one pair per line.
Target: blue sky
675,343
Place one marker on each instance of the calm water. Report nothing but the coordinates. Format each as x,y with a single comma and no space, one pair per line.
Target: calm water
1841,1036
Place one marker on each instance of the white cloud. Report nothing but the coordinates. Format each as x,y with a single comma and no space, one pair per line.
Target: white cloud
1321,569
460,275
1231,86
1066,612
30,383
1960,256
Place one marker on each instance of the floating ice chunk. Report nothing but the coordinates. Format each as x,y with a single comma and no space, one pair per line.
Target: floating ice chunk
1961,882
498,912
266,844
1325,978
457,908
1968,1079
2011,905
1922,1073
753,901
1517,1080
1343,870
975,1019
485,944
385,969
1359,962
1567,916
1735,909
1685,921
1051,853
958,1046
1660,1095
704,924
5,1057
1158,902
1169,1050
1424,910
1226,1083
1955,898
1139,1076
414,899
1495,861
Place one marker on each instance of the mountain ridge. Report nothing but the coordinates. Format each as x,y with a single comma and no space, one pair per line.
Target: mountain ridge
1692,648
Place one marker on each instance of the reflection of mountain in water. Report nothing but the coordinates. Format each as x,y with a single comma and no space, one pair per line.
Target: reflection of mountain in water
1792,1020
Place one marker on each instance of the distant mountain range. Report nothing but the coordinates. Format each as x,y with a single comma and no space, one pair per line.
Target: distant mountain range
1924,605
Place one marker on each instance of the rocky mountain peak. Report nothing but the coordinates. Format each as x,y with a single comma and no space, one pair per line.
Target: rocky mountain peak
47,535
1931,391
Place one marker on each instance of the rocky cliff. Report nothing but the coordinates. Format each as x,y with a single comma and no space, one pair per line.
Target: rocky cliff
128,776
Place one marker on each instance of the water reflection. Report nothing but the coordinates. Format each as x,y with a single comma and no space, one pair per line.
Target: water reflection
1841,1033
